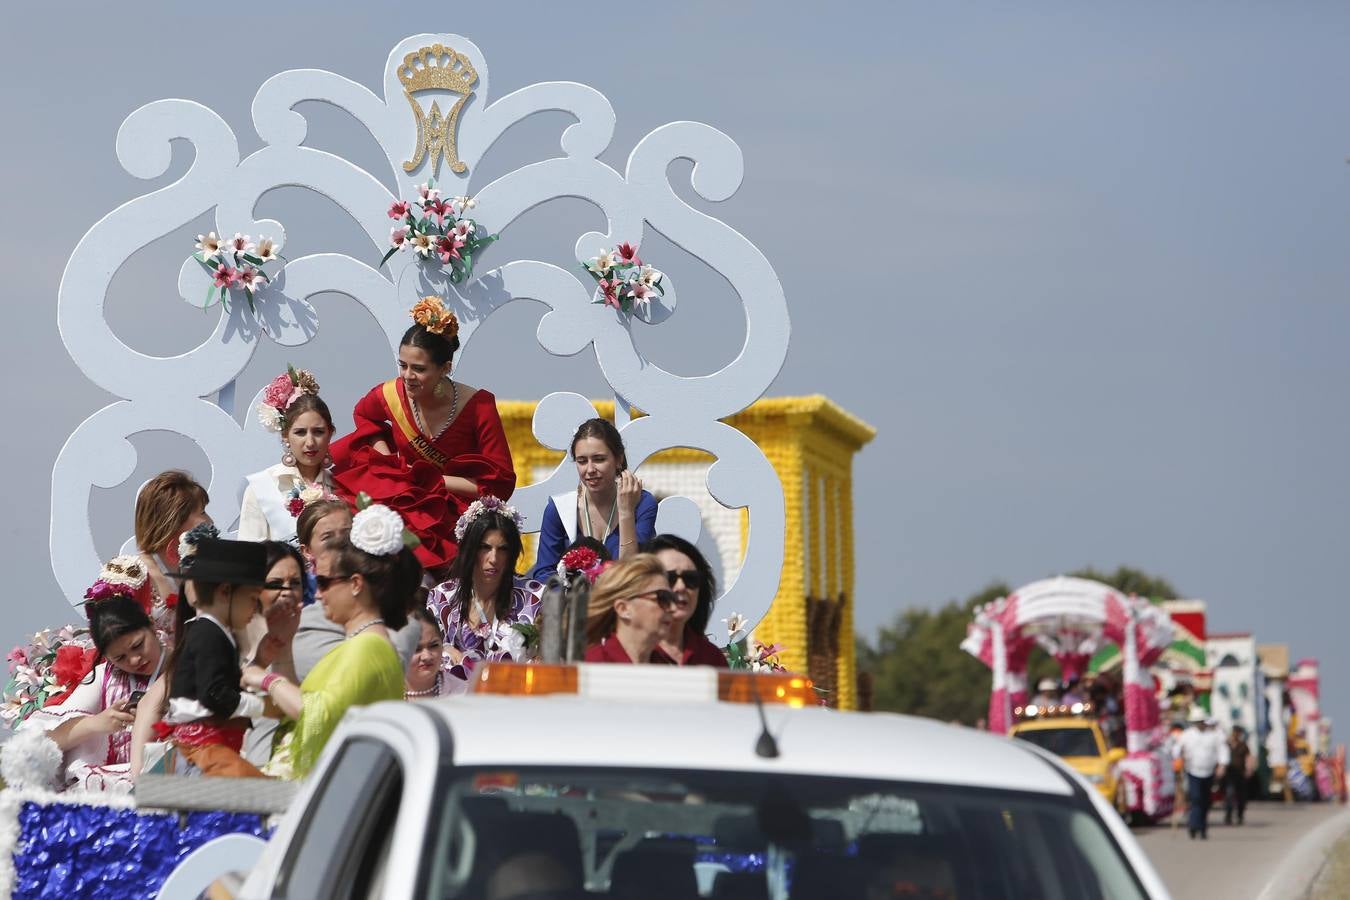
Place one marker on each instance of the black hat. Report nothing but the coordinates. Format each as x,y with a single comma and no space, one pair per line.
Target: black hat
225,562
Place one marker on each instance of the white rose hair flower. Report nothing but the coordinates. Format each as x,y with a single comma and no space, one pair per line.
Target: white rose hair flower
377,530
125,571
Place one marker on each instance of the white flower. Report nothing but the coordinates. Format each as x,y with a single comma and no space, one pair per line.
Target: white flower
127,571
266,249
463,229
464,204
649,276
735,624
311,494
377,530
428,193
514,643
423,244
240,243
601,264
209,244
270,418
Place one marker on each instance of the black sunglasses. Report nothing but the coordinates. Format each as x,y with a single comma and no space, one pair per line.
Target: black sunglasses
690,577
663,598
292,585
324,582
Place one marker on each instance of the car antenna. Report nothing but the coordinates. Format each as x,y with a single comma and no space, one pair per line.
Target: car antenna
766,746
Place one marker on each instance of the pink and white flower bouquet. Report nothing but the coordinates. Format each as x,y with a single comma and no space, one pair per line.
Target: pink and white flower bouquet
623,279
235,264
438,231
45,671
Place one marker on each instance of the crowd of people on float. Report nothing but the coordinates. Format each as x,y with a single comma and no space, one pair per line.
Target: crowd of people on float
382,564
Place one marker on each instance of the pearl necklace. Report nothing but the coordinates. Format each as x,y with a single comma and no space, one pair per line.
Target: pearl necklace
369,624
433,691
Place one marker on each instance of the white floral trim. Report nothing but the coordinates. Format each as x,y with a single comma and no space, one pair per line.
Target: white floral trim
377,530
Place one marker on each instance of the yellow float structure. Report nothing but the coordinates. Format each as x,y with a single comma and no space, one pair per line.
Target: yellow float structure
811,442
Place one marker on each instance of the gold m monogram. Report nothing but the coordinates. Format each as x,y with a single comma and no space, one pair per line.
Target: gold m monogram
436,67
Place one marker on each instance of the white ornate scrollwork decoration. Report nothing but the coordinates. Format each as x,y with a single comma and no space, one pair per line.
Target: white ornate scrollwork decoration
166,393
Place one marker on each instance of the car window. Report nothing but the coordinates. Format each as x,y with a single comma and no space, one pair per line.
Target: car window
340,848
579,833
1062,741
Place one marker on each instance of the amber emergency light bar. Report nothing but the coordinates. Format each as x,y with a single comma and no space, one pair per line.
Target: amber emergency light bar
668,684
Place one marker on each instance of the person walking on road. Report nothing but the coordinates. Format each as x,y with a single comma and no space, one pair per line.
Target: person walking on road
1204,755
1235,778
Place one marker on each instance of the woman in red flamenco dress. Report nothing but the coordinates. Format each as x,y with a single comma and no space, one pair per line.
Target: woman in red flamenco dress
424,445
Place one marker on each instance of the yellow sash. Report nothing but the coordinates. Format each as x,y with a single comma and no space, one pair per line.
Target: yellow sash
410,432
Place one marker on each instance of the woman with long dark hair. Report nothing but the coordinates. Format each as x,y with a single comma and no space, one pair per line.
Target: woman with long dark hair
481,605
608,505
90,725
366,585
426,445
690,579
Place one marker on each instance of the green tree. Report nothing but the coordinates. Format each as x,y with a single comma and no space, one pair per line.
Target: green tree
1132,581
918,666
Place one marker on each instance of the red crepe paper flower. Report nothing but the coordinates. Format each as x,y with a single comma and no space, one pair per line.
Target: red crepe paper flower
580,559
295,506
398,209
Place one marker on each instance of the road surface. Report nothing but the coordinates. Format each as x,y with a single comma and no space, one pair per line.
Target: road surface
1272,857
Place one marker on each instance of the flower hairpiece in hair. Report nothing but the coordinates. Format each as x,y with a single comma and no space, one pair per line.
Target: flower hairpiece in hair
583,560
299,497
281,393
378,530
124,571
431,314
487,504
188,540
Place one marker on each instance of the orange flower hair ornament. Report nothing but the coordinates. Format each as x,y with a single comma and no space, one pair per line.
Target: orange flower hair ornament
431,314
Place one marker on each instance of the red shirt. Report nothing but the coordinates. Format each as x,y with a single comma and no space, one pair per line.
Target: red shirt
609,650
698,651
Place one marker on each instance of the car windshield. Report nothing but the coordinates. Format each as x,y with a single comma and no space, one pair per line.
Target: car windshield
616,833
1062,741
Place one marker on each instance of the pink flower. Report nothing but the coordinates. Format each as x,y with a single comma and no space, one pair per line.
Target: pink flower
428,193
398,209
278,393
438,208
226,277
448,247
250,279
463,229
627,254
642,295
240,243
609,292
398,235
17,657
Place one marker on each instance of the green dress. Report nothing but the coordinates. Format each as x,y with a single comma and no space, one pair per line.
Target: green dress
362,670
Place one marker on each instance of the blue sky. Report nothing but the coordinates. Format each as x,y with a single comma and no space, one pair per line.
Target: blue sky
1084,270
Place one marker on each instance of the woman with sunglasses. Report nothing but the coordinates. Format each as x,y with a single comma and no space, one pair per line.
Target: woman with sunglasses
630,609
690,579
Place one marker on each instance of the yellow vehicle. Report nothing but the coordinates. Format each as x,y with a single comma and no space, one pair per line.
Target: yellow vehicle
1072,733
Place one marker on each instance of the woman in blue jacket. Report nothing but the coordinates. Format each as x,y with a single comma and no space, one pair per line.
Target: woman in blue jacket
609,504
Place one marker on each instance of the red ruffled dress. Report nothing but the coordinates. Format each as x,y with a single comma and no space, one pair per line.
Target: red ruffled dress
410,480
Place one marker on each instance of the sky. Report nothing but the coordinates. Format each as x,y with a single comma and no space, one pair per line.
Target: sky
1085,270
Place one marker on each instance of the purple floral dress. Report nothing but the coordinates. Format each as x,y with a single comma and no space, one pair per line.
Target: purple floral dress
483,643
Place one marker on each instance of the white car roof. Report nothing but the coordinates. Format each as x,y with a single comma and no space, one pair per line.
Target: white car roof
576,731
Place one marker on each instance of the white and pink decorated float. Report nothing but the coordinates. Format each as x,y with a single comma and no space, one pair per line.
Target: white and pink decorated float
1070,619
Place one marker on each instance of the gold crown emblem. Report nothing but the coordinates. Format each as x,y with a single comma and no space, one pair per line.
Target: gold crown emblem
437,66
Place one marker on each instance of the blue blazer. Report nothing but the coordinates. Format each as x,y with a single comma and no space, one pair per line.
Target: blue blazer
553,541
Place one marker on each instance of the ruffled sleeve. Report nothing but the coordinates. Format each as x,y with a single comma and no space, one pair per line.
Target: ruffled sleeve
366,669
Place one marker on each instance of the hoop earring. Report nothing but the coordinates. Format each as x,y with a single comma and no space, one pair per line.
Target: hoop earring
328,460
287,457
439,390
